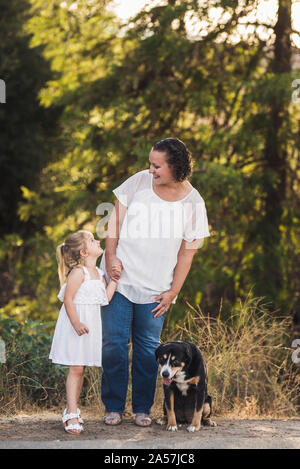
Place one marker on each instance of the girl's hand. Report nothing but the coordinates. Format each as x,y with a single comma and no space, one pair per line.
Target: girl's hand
114,268
165,299
80,328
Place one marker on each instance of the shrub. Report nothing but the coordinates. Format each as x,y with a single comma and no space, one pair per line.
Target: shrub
28,376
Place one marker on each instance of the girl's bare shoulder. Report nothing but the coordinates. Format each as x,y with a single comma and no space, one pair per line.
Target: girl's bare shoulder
76,273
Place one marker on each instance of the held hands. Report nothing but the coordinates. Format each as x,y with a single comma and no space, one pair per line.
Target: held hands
114,268
80,328
165,299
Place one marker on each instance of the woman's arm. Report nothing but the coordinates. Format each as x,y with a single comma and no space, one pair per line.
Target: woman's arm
113,264
184,262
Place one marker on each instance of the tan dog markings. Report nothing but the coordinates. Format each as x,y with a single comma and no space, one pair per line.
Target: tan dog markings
196,422
195,380
172,425
206,420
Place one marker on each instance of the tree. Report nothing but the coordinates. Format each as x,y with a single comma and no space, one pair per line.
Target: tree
221,91
25,126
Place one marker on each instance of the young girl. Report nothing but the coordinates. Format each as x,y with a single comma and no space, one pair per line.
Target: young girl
77,340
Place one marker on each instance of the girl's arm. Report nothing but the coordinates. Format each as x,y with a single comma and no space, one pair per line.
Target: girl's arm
75,279
110,288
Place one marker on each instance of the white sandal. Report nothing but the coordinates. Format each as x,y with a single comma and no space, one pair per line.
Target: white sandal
73,429
139,417
80,420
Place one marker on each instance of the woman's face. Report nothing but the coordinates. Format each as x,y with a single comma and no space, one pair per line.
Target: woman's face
159,167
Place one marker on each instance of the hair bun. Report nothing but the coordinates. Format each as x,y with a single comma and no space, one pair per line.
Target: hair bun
178,157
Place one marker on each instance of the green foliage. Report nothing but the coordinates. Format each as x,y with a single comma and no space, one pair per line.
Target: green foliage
28,376
25,125
121,89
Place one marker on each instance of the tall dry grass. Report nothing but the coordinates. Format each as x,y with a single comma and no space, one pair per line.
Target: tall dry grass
248,355
250,370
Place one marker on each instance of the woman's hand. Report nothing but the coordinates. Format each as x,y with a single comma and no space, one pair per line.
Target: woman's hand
114,268
80,328
165,299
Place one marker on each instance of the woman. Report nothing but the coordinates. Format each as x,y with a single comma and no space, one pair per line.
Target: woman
158,223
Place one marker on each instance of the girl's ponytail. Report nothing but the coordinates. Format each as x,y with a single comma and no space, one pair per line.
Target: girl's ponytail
62,268
68,253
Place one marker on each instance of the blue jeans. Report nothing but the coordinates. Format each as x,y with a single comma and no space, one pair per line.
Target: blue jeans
122,320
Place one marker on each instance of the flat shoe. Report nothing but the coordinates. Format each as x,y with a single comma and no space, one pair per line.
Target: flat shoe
140,417
113,416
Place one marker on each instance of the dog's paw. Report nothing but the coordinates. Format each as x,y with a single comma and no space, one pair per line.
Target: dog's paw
192,428
212,424
172,428
209,423
160,421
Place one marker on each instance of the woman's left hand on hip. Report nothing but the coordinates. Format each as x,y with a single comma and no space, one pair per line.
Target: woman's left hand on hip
165,299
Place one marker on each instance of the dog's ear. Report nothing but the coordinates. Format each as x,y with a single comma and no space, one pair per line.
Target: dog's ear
157,351
188,354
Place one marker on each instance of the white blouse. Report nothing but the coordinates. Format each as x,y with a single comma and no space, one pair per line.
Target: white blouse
151,236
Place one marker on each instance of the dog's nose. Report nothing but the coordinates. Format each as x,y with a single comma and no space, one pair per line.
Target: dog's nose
165,374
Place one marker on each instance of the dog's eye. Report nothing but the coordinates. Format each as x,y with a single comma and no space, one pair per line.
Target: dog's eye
176,363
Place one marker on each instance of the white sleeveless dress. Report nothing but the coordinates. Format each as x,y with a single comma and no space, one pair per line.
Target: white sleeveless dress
68,348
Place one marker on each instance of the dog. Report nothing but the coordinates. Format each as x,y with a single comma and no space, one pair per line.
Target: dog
184,375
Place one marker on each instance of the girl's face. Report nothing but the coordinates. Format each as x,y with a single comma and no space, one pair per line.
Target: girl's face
159,167
93,247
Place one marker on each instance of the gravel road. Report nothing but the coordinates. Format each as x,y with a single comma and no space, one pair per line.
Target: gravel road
45,430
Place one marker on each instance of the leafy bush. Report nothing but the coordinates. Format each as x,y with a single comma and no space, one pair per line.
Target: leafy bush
28,376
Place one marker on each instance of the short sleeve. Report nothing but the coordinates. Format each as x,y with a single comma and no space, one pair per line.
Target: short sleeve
128,188
196,226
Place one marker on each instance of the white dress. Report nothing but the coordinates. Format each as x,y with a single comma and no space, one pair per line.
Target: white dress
68,348
151,235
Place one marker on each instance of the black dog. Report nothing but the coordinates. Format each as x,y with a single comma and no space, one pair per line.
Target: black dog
184,375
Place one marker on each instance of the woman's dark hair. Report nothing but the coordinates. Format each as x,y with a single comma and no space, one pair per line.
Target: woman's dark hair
178,157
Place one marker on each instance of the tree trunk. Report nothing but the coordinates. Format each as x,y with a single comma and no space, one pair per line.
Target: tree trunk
275,160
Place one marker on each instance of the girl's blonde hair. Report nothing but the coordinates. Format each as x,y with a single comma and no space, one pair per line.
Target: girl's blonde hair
68,253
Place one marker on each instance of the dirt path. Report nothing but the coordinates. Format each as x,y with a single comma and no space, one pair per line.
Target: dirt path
45,430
